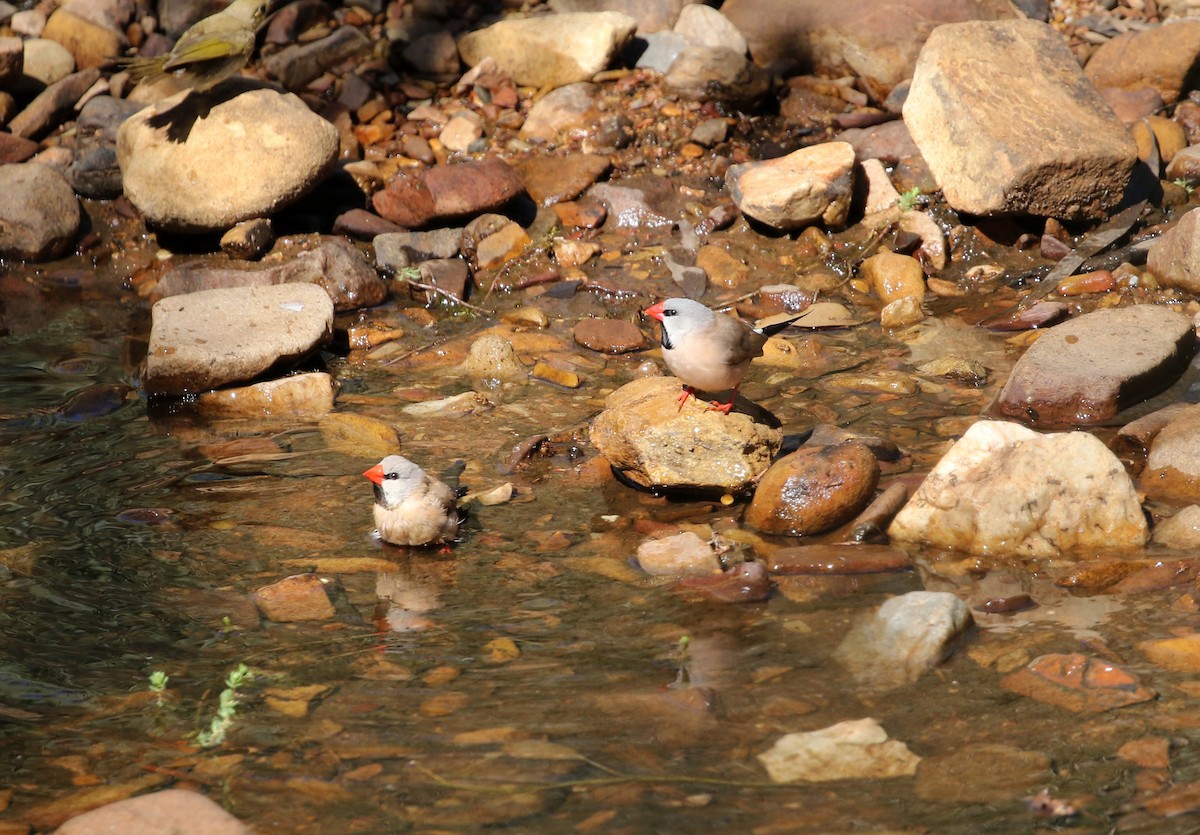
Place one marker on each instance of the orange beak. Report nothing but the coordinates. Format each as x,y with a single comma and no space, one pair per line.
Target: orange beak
375,474
655,312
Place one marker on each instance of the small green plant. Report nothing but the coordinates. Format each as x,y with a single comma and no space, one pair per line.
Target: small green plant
909,199
1183,184
227,704
158,681
682,659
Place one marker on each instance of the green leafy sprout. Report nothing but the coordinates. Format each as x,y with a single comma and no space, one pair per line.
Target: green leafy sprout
227,704
909,199
158,681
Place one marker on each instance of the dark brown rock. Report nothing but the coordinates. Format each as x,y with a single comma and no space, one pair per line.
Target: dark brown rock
838,559
54,103
450,275
609,336
747,583
12,61
363,225
1086,370
814,490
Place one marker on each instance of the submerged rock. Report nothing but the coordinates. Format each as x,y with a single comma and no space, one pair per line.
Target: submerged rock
1173,461
169,810
1005,490
904,638
200,341
855,750
299,396
645,436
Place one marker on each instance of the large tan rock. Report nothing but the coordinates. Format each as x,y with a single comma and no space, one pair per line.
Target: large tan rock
1162,57
249,156
1004,490
645,436
170,810
1175,257
811,185
1009,124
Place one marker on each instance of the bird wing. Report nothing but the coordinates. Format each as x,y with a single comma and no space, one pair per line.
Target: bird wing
210,47
744,344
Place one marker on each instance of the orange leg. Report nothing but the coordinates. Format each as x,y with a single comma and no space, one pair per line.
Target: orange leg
724,408
688,391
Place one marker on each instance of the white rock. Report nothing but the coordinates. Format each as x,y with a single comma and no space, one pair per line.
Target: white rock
904,638
551,50
1008,491
248,157
705,26
854,750
47,61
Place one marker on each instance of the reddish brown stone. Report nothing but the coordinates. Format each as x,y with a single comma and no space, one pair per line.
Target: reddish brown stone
405,200
15,148
299,597
609,336
1078,683
472,187
814,490
551,180
584,214
747,583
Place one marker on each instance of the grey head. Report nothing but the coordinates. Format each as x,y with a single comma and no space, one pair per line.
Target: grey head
681,317
400,478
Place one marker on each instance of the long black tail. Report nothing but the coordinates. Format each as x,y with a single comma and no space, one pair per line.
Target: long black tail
776,327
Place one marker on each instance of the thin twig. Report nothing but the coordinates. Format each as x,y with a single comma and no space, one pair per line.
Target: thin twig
448,295
517,787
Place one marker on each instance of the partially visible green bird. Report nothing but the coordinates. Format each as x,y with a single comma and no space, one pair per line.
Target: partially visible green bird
210,51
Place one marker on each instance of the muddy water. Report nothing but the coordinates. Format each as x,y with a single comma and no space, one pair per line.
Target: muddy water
532,678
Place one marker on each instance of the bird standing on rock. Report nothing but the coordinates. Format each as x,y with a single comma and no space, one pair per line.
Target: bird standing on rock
411,507
209,51
709,351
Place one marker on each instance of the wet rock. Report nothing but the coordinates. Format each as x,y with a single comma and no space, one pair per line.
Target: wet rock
451,276
881,195
359,435
170,810
463,129
894,276
813,490
954,367
493,361
1040,315
569,252
859,37
628,207
683,553
396,250
645,436
932,251
650,15
550,180
1008,491
297,598
93,402
550,50
1175,257
15,149
1078,683
299,396
1043,141
838,559
710,132
458,405
716,73
39,213
248,240
721,268
418,198
854,750
297,65
363,225
251,155
200,341
987,773
1180,655
581,214
1180,531
904,638
1161,57
812,185
745,583
561,111
901,313
1084,371
499,246
334,264
53,105
1173,461
90,43
609,336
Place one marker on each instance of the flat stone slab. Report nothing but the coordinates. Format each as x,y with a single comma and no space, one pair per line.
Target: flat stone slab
201,341
1086,370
